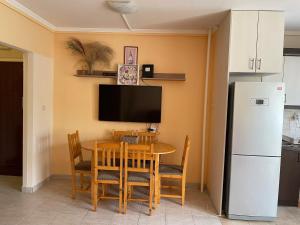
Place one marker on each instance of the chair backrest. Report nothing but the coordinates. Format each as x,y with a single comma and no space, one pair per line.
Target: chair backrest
108,156
118,134
74,148
146,137
185,156
136,157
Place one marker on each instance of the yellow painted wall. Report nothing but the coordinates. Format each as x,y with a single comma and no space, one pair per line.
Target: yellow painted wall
76,99
24,34
10,55
21,32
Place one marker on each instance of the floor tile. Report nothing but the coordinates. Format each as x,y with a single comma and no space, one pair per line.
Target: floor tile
206,220
52,205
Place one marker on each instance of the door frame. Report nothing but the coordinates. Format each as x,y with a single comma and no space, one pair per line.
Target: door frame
28,118
28,145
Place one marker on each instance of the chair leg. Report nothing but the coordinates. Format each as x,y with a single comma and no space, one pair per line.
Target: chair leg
92,193
103,190
159,190
81,180
95,196
151,196
125,197
182,191
73,186
130,190
120,199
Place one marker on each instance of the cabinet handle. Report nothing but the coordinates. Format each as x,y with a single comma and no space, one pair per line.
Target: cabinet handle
258,64
284,98
298,157
251,63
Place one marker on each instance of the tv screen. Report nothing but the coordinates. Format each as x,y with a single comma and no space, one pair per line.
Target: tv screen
130,103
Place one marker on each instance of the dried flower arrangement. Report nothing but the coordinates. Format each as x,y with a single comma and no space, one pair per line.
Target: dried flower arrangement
91,53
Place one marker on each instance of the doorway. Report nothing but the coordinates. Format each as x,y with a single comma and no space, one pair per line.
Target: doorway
11,113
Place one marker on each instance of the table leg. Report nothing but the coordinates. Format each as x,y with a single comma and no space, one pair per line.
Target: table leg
156,180
92,180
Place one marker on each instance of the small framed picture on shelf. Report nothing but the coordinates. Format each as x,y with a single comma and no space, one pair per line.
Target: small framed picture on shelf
131,55
128,74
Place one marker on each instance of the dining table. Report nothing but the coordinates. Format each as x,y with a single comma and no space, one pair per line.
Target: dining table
160,148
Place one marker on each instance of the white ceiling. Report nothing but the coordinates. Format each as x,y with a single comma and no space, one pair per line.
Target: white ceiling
184,15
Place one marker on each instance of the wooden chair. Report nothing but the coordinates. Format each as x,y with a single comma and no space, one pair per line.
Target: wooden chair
137,173
146,137
106,170
78,165
118,134
177,172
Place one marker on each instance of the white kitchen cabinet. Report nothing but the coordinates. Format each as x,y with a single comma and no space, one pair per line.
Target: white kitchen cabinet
256,41
243,34
270,39
291,78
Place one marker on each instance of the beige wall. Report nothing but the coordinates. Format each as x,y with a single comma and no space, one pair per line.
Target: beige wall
21,32
11,55
76,101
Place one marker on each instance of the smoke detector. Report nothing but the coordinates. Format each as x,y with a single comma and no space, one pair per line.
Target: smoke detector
122,6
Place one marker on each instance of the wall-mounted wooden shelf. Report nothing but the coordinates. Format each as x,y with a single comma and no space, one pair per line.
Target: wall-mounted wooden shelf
166,76
156,76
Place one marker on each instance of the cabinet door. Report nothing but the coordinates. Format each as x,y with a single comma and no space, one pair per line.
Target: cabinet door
243,36
289,178
291,79
270,42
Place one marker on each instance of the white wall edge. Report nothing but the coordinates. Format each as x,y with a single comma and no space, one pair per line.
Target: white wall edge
28,129
35,187
30,14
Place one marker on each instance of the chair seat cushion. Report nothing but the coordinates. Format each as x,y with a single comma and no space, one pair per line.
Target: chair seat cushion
170,169
138,177
84,165
108,175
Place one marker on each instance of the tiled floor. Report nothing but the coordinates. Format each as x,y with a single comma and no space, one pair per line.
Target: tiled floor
51,205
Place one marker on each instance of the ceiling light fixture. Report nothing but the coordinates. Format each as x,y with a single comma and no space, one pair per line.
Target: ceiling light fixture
122,6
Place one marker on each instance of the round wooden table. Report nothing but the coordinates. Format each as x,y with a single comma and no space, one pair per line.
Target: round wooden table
159,149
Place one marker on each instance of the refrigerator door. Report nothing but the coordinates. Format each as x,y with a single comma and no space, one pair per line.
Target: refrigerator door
257,118
254,185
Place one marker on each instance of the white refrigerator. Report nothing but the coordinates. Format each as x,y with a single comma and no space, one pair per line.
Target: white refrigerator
253,150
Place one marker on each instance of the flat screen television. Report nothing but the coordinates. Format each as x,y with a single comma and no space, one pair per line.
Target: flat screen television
130,103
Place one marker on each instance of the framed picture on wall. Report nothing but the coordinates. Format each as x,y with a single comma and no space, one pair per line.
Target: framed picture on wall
130,55
128,74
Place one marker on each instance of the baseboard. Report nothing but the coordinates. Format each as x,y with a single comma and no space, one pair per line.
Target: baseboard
35,187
